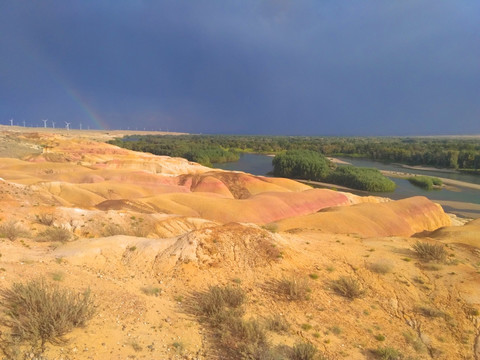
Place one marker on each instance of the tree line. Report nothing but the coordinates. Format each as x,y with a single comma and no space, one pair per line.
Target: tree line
453,153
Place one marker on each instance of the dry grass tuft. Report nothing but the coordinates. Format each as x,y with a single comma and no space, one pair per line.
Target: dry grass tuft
381,267
11,230
277,323
55,234
348,287
45,219
39,312
294,289
304,351
428,252
214,301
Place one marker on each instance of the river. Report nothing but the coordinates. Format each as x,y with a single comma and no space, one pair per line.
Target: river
258,164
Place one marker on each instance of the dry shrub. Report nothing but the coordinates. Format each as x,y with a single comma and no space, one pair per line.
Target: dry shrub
304,351
114,229
11,230
348,287
55,234
387,353
39,312
151,291
45,219
277,323
244,339
294,289
381,267
217,298
428,252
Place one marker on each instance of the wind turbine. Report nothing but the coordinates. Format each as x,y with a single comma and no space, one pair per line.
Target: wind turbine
11,122
80,126
67,125
53,124
44,122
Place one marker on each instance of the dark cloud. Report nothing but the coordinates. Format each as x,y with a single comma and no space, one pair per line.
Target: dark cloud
271,67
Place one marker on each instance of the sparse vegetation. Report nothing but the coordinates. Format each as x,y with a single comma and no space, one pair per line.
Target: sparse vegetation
294,289
414,341
348,287
151,290
178,346
381,267
216,299
39,312
57,275
306,327
45,219
428,252
135,346
11,230
244,339
336,330
387,353
277,323
114,229
55,234
431,312
304,351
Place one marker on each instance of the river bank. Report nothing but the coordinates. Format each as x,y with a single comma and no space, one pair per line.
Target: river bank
461,195
446,181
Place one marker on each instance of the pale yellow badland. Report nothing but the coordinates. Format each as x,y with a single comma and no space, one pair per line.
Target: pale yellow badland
140,222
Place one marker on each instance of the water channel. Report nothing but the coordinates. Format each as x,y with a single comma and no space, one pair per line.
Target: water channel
258,164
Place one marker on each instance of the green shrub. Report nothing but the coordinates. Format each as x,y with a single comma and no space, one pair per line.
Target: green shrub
425,182
348,287
39,312
55,234
427,251
361,179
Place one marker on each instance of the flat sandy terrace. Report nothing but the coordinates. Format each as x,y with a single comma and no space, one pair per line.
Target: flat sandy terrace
96,134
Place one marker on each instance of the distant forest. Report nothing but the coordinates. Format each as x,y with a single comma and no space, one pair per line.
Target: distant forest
453,153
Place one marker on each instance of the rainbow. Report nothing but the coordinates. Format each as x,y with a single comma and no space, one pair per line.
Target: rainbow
86,108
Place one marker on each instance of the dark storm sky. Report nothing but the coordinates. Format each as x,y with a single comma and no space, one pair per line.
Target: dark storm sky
320,67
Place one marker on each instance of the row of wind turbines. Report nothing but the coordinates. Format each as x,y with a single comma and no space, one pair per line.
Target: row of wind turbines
45,121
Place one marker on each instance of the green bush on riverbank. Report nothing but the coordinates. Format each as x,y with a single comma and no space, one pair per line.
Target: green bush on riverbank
310,165
361,179
301,164
425,182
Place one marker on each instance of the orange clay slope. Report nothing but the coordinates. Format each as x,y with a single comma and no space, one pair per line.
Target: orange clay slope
87,174
403,217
